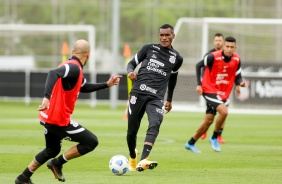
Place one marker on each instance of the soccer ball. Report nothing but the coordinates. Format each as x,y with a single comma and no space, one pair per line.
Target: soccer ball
119,164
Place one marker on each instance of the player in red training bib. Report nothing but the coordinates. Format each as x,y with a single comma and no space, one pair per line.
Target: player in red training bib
222,70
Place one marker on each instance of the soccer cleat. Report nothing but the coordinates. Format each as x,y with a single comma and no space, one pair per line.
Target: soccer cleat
133,162
57,171
204,136
146,164
192,147
220,140
18,181
214,144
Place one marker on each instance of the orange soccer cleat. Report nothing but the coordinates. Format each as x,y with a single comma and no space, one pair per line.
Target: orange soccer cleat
220,140
204,136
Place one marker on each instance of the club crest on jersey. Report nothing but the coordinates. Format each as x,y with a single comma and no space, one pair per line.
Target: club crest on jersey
133,99
172,59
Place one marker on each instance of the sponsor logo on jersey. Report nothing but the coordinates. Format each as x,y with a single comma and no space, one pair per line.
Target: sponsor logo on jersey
156,47
154,56
154,65
236,58
133,99
220,78
172,59
158,63
220,93
143,87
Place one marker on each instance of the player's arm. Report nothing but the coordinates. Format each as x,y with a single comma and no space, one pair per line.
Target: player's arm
206,62
67,70
138,58
238,79
199,67
171,84
88,87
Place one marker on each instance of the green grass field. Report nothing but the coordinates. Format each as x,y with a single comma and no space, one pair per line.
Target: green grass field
252,152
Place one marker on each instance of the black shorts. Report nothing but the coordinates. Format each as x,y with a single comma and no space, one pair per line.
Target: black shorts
212,101
138,105
54,134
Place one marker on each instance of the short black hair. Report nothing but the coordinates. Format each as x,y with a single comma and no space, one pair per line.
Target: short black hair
218,34
166,26
230,39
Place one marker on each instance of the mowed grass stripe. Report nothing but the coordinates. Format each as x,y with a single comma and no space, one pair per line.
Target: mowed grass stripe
252,152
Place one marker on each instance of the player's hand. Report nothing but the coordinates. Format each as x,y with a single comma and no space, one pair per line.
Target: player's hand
114,80
44,104
237,90
132,76
199,90
244,84
167,107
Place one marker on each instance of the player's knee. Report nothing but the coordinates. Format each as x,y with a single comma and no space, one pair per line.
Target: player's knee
224,112
154,130
131,134
52,153
92,144
208,121
46,154
88,146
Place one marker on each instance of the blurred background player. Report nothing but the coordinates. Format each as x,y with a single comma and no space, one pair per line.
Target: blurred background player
158,72
62,88
222,70
218,43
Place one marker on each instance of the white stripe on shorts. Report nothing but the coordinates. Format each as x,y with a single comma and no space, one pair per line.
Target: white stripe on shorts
227,102
213,100
76,131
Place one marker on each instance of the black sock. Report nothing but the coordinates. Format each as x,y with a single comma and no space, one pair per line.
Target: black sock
220,132
132,154
27,173
215,134
192,141
131,143
59,161
25,176
146,151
